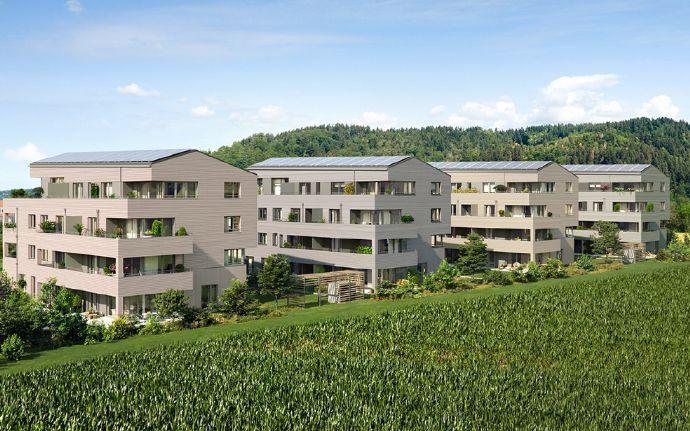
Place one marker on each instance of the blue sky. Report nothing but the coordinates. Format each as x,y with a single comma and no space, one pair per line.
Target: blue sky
103,75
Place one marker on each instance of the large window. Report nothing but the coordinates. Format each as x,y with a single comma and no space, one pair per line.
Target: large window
436,215
231,190
232,224
262,214
209,294
488,187
234,256
569,209
277,214
261,240
582,206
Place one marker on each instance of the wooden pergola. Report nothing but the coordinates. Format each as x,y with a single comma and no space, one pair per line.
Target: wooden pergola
336,286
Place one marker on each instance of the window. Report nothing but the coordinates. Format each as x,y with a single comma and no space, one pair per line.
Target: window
569,231
436,215
582,206
44,218
333,216
234,256
32,252
277,214
262,214
259,186
662,186
337,188
436,188
209,294
490,210
274,240
305,188
662,205
569,209
108,190
232,224
10,250
57,180
231,190
261,240
597,206
437,240
568,186
32,221
488,187
277,185
453,209
78,190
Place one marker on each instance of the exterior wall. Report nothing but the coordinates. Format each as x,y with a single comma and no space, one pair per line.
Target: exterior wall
418,234
203,217
560,245
654,239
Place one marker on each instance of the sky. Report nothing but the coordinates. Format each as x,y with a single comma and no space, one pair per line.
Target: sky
89,75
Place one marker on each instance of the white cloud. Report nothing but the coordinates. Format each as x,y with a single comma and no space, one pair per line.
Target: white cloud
74,6
438,109
577,99
136,90
203,111
26,153
659,106
270,114
378,120
501,114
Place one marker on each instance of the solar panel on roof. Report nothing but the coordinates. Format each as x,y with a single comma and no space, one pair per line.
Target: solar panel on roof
284,162
623,168
138,156
498,165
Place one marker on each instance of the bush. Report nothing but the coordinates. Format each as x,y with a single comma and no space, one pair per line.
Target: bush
123,327
527,274
47,226
237,300
444,278
498,278
171,303
403,288
552,269
13,348
182,231
363,249
157,228
406,218
675,252
473,255
585,262
67,329
153,326
95,333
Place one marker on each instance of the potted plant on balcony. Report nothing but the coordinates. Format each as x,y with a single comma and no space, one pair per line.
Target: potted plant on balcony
501,213
182,231
363,249
118,232
132,194
10,225
293,217
157,228
99,233
605,187
406,218
349,189
500,188
95,191
649,207
616,207
79,228
110,269
179,267
47,226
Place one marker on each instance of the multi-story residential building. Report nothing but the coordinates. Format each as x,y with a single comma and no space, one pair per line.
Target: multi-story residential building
381,215
635,196
111,226
525,211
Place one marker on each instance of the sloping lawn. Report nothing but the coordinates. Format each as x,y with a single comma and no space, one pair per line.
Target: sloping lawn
64,355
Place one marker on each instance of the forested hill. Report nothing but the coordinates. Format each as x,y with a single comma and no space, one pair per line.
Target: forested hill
662,142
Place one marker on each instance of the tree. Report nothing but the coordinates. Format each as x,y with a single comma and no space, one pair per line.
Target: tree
21,315
58,298
607,239
17,193
473,255
275,277
171,303
36,192
237,299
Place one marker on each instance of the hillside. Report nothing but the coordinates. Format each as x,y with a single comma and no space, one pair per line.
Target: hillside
662,142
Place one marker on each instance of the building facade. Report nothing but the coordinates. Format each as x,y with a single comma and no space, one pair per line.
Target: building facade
119,227
381,215
635,196
524,211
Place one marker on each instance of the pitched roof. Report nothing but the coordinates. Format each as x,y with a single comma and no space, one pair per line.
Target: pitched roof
490,166
622,168
319,162
111,157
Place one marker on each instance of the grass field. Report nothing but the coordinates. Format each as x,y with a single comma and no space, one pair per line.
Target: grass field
596,352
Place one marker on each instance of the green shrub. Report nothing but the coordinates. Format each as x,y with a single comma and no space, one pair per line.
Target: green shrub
13,348
157,228
67,329
95,333
585,262
444,278
498,278
153,326
363,249
553,268
171,303
676,251
182,231
237,300
123,327
406,218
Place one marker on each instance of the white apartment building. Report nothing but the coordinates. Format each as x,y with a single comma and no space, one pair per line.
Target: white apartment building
634,196
382,215
524,211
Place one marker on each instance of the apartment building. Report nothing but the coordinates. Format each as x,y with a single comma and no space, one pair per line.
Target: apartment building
634,196
525,211
381,215
119,227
